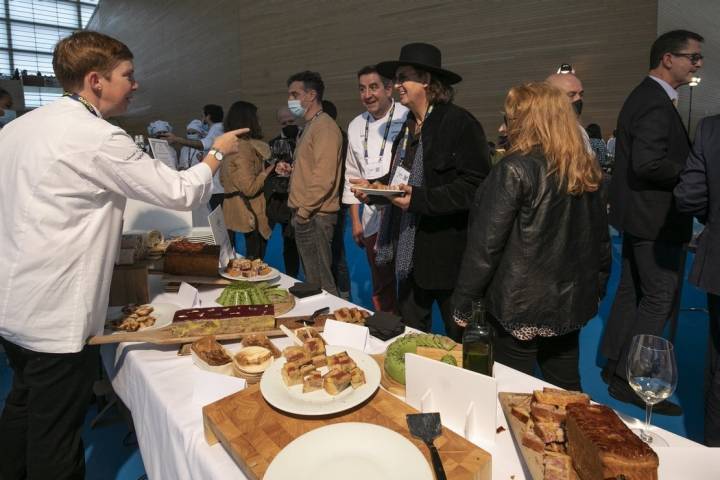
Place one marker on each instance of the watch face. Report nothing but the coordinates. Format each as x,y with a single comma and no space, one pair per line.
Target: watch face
219,156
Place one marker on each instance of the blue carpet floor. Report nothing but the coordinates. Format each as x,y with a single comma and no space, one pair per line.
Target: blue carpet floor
111,454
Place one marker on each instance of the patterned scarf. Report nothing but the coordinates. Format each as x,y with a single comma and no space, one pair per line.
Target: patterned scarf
396,238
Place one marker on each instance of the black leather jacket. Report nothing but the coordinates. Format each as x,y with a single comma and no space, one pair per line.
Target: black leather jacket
539,257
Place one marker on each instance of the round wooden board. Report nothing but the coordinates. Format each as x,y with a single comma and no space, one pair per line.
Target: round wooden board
392,386
286,306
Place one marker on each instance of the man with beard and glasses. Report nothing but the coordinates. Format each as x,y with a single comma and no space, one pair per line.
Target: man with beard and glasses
650,152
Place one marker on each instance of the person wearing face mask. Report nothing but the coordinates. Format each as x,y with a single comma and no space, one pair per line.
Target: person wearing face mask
370,138
190,156
157,129
276,187
315,180
7,114
60,224
212,117
651,151
571,86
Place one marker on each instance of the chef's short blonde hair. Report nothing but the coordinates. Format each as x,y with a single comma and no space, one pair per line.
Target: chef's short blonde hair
84,52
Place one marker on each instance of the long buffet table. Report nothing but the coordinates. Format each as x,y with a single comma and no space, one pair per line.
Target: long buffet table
158,386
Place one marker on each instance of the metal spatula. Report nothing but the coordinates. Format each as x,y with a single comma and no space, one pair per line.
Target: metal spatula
427,427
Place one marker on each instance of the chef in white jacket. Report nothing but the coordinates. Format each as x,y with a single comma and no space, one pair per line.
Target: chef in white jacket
66,175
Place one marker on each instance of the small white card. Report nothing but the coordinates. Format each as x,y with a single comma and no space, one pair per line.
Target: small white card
467,401
188,296
345,334
209,387
401,176
219,231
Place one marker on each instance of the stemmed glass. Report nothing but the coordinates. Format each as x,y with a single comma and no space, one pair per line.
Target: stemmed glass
652,373
282,151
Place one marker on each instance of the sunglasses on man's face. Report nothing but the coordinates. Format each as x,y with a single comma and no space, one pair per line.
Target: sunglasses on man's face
693,57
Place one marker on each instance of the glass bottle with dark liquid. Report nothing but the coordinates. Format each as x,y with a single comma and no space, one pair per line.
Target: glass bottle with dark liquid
478,342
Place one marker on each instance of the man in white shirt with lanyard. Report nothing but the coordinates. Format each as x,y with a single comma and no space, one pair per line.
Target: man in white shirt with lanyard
369,154
68,174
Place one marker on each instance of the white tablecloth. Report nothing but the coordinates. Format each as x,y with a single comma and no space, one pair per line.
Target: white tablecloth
157,386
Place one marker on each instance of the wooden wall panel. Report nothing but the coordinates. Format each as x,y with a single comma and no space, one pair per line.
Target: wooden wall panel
703,17
190,53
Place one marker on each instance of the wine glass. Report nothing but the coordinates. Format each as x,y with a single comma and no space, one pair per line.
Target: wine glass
652,373
282,151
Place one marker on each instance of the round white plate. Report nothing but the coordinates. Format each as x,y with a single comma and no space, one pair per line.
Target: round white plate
319,402
350,451
260,278
381,193
163,313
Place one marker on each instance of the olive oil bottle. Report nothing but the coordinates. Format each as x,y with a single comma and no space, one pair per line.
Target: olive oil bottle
477,342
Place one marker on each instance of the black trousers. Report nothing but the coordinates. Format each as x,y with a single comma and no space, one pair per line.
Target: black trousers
255,245
645,298
291,257
557,357
44,412
415,306
339,263
712,375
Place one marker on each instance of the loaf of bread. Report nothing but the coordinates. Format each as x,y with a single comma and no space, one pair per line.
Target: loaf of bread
191,258
602,446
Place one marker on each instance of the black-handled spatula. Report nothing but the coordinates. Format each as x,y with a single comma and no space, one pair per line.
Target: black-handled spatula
427,427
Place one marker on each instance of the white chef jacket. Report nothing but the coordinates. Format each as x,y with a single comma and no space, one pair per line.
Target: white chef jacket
66,176
216,129
356,166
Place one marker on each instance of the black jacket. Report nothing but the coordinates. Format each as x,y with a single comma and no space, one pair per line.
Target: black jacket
455,162
538,256
698,193
650,152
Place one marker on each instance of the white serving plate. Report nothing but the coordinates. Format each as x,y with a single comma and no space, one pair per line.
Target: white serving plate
163,313
260,278
319,402
381,193
350,451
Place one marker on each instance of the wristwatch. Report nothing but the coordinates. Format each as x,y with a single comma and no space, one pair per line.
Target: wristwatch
217,154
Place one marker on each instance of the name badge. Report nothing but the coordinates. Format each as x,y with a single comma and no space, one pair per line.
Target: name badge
402,175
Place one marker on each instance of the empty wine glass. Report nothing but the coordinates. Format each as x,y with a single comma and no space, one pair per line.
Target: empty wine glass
652,373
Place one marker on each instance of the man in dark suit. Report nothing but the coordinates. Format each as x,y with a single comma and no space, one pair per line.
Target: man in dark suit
650,152
698,193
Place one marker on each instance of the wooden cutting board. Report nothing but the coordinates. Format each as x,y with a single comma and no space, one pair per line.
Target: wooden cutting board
253,432
533,460
164,336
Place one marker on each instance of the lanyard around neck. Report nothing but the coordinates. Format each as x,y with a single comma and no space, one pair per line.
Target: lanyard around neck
385,135
89,106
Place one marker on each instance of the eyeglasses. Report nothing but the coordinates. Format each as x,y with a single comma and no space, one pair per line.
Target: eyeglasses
693,57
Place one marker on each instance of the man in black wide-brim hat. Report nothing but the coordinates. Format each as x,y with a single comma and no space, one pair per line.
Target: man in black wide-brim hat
439,160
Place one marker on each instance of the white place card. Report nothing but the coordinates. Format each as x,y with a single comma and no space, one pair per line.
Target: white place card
188,296
467,401
209,387
219,231
345,334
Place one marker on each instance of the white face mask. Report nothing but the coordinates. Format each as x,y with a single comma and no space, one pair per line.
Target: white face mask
7,117
296,108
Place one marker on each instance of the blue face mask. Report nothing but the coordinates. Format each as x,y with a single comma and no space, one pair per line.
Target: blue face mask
7,117
296,108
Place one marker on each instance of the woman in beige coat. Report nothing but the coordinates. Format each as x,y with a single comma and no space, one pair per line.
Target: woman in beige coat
242,176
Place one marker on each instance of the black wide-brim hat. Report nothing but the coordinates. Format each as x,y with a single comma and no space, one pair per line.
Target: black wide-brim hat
420,55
